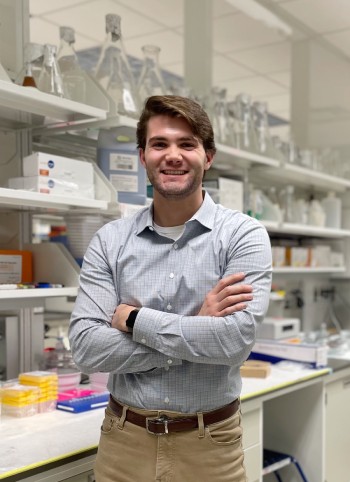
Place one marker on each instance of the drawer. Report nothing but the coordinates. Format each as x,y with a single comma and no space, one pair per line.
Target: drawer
252,427
253,463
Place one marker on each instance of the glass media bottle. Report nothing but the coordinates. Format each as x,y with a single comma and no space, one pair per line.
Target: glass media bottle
73,76
33,59
50,79
151,81
113,69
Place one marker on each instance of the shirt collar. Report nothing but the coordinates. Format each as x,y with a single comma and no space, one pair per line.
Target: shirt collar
205,215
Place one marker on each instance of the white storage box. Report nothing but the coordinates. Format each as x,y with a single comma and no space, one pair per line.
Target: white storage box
50,185
58,167
290,349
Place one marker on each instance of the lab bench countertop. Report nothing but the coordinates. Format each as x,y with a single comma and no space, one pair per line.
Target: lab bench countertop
35,442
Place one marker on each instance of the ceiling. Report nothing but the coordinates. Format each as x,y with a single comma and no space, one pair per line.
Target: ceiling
248,56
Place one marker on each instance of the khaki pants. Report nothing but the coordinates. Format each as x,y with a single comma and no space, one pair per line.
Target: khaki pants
128,453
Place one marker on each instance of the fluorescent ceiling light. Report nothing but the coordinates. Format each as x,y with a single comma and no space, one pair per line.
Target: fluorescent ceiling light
262,14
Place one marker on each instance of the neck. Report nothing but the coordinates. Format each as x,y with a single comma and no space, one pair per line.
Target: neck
175,212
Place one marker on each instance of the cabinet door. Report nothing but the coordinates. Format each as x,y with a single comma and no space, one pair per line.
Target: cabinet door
338,430
252,439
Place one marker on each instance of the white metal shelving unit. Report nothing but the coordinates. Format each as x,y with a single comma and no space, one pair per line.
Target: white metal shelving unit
16,100
37,293
27,200
301,176
305,230
228,157
308,270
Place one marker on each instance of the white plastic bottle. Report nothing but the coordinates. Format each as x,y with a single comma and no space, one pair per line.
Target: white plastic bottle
332,208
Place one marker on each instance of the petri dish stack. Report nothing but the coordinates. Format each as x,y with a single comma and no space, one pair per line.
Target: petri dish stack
47,383
20,400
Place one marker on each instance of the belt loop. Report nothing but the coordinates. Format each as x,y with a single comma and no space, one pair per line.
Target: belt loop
201,430
120,424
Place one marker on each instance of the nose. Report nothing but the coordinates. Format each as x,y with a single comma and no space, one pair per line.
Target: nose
173,154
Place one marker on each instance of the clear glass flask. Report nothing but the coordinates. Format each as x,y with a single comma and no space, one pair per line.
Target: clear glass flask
245,136
50,78
151,81
113,70
261,125
73,76
222,124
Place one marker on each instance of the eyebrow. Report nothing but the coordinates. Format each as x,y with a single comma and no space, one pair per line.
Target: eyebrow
163,138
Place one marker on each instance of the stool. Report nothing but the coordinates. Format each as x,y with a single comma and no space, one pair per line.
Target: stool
274,461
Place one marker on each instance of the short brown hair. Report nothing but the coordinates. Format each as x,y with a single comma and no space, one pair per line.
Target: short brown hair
176,106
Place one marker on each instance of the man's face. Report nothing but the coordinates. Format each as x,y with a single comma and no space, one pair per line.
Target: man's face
174,158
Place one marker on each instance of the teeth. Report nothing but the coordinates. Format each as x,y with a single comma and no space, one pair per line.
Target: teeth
174,172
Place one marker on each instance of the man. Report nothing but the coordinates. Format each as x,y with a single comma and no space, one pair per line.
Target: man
162,306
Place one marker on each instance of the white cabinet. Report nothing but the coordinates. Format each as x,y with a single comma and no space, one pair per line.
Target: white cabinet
293,424
252,438
337,430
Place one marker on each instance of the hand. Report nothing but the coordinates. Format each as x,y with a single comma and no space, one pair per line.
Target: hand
227,297
120,316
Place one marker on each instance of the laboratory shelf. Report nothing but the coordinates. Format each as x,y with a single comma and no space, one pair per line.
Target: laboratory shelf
271,225
228,156
16,100
89,125
306,230
28,200
300,176
308,270
30,293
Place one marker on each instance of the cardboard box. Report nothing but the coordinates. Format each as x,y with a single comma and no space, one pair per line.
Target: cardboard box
290,349
49,185
255,369
16,266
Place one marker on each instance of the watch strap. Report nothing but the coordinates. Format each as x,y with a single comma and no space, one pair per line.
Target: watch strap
130,321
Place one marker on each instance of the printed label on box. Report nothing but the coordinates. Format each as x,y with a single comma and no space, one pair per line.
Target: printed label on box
10,268
123,162
124,183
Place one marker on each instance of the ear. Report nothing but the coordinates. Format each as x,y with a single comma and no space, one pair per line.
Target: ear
209,160
142,157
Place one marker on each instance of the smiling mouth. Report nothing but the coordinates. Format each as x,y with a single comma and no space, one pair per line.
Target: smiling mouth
174,173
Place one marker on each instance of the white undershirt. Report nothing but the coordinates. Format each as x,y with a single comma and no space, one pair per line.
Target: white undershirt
172,232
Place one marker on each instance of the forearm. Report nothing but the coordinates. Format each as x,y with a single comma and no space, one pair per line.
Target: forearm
198,339
100,348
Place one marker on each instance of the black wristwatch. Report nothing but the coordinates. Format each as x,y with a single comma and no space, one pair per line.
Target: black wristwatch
130,321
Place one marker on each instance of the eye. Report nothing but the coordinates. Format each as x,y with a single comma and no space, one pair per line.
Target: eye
188,145
158,145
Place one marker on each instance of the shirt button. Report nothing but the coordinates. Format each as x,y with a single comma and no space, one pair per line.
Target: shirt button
176,246
143,340
166,400
169,307
171,275
151,228
170,362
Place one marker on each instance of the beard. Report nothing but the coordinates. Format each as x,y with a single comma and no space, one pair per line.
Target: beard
173,190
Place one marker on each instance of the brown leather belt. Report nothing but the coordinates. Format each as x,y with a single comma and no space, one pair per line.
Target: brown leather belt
163,425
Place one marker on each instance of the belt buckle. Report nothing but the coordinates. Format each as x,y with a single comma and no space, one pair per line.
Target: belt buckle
162,420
